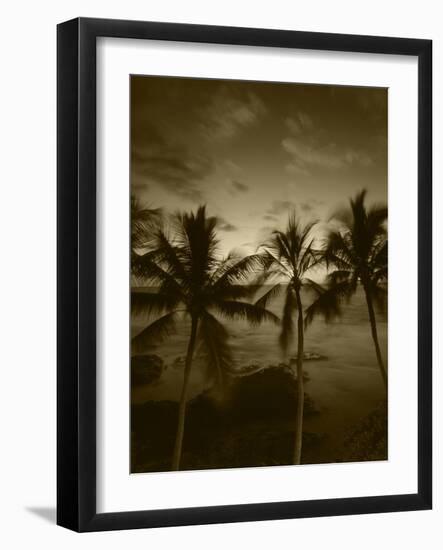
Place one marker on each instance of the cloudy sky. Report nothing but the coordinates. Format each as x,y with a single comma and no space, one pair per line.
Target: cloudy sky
252,151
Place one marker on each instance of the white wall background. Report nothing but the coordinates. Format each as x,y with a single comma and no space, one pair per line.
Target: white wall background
27,285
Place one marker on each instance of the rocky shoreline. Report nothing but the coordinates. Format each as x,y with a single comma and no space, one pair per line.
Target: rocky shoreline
147,369
251,423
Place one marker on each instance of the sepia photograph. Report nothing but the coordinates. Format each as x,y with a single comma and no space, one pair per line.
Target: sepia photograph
258,274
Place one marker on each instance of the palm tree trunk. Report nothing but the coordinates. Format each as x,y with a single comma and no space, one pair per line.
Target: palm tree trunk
182,407
300,383
375,335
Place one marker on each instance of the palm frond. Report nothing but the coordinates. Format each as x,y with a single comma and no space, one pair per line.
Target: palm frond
292,248
274,265
196,237
282,247
214,345
268,296
148,269
328,301
151,303
339,251
232,292
340,275
310,259
360,244
172,256
376,221
143,223
305,233
154,333
240,271
313,285
380,275
224,264
237,310
379,256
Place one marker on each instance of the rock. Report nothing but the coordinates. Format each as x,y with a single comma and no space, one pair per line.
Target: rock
254,367
250,369
145,369
308,356
268,394
252,426
179,363
306,376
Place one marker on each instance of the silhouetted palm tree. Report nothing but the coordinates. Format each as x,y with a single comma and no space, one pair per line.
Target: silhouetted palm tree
288,257
193,280
357,250
143,224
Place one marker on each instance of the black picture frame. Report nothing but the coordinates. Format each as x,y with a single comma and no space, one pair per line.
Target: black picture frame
76,265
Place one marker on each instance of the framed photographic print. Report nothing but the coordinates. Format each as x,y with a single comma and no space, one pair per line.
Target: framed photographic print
236,342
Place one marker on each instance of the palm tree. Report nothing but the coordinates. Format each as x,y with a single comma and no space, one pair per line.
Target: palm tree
143,223
357,250
193,280
288,257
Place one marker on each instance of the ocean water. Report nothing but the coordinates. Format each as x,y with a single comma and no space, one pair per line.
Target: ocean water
345,387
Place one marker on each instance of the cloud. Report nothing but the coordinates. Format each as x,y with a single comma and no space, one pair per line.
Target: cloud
224,225
174,167
353,156
233,166
309,150
239,186
306,207
139,184
305,155
280,207
310,205
228,114
176,148
263,234
179,161
300,123
270,218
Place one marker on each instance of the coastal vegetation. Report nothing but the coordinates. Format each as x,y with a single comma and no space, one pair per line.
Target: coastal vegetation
357,249
192,281
179,273
289,257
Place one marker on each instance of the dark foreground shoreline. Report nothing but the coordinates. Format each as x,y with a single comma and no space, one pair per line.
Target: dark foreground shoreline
251,426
